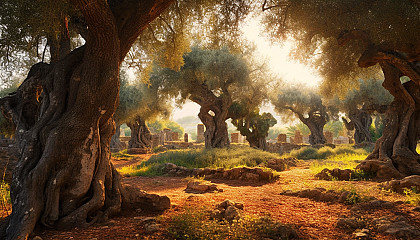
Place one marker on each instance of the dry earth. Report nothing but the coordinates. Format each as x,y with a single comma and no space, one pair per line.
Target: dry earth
312,219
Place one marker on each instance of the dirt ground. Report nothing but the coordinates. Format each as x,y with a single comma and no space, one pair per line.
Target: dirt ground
313,220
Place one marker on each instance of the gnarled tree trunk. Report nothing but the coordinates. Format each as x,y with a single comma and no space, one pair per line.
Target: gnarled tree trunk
116,145
395,153
216,134
140,134
64,118
315,122
360,121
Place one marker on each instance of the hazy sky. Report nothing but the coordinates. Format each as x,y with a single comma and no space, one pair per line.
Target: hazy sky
279,62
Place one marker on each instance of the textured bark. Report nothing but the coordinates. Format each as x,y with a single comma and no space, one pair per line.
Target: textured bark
360,121
64,118
140,134
395,153
315,121
116,144
216,134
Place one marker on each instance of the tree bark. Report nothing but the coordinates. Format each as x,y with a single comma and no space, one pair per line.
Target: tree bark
315,122
216,134
395,153
360,121
140,134
64,118
116,145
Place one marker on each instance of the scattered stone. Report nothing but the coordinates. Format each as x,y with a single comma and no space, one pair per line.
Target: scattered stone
243,173
362,234
282,164
349,223
399,185
201,187
399,229
227,210
383,170
134,198
37,238
318,194
151,228
336,174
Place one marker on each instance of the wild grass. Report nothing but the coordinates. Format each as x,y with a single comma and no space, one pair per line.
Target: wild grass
309,153
234,156
122,155
5,197
341,161
413,196
197,224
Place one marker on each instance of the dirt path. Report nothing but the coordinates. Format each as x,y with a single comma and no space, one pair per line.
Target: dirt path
313,220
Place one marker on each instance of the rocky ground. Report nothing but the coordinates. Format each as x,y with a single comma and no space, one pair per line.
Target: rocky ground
318,209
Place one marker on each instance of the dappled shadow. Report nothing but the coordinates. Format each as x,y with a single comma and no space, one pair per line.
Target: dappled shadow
238,183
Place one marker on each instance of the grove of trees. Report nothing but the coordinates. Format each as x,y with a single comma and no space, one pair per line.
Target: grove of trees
64,109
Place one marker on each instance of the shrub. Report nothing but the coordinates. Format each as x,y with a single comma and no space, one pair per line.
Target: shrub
412,195
305,153
5,196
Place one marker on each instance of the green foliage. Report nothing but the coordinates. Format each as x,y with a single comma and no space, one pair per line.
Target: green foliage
307,153
198,225
413,196
353,197
334,126
304,130
4,196
158,125
231,157
316,27
122,155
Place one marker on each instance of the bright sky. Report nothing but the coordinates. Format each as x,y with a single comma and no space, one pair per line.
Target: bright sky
280,63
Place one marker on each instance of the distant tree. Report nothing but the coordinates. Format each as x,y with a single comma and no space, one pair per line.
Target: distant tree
7,126
210,78
305,104
334,126
360,104
158,125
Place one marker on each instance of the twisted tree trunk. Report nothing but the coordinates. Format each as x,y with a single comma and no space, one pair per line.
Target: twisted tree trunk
140,134
116,144
360,121
395,153
216,134
64,118
315,122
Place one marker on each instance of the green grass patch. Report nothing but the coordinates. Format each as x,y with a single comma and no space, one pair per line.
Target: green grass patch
197,225
308,153
234,156
341,161
122,155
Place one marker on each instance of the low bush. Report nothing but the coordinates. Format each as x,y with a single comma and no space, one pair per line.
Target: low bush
413,196
308,153
5,197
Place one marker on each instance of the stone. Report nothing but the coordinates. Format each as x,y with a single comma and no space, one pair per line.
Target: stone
399,229
185,137
37,238
252,177
329,137
277,164
362,234
298,139
349,223
232,213
400,185
234,137
282,138
151,228
200,133
133,198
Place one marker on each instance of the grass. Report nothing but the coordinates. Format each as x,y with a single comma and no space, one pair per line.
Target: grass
5,197
310,153
122,155
234,156
197,224
413,196
341,161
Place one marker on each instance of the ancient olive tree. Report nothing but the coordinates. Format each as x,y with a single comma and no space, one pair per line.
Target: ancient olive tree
348,40
64,110
139,102
245,110
360,104
210,78
305,104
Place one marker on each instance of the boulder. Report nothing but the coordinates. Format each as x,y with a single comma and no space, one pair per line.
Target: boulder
405,183
134,198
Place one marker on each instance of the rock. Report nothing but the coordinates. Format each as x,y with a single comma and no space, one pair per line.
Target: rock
400,229
277,164
151,228
133,198
384,170
349,223
336,174
217,214
37,238
232,213
201,187
147,220
399,185
362,234
252,177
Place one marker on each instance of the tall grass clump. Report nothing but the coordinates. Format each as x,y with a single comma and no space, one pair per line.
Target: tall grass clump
308,153
227,158
5,196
